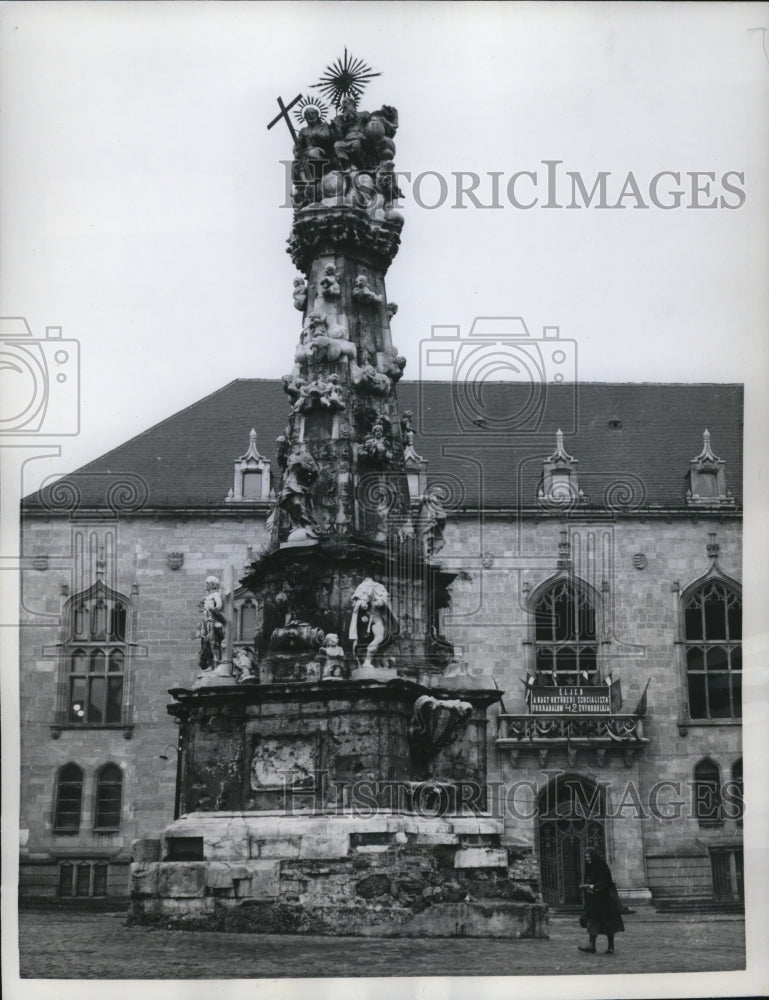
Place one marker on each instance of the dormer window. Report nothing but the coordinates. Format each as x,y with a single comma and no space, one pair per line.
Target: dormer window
559,477
706,479
252,476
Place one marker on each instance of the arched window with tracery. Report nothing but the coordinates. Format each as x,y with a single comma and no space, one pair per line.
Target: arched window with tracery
95,655
565,635
69,799
713,644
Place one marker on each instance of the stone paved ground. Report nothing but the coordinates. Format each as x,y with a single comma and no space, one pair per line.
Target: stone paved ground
61,945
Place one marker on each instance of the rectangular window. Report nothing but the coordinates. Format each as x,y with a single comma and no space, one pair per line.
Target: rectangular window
100,880
82,879
83,882
114,699
108,807
252,485
65,879
727,869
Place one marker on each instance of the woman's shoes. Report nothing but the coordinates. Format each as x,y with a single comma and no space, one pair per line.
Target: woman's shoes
587,948
610,950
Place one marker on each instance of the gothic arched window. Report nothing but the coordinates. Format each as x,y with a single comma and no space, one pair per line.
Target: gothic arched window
713,644
565,635
707,793
95,652
69,799
109,796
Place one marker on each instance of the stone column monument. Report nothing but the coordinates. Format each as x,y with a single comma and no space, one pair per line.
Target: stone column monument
345,792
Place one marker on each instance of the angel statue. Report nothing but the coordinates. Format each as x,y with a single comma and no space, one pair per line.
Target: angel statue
373,623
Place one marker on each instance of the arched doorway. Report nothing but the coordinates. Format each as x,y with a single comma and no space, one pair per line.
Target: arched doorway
571,817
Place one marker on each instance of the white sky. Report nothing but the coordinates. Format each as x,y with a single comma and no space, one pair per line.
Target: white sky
141,190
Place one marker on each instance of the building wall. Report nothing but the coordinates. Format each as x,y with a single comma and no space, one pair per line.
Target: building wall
506,558
489,620
164,656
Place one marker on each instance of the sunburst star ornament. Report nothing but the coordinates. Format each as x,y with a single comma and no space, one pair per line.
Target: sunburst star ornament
310,102
347,77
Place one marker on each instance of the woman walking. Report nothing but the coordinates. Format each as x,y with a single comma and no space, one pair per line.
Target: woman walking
603,908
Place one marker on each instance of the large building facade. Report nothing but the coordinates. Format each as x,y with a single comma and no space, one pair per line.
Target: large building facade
595,531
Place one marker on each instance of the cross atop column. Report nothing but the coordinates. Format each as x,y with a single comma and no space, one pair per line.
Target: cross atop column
284,110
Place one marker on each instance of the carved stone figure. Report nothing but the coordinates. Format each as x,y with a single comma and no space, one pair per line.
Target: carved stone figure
323,340
313,150
373,622
243,666
375,449
322,391
334,658
362,293
406,428
352,146
212,625
292,383
392,309
391,364
437,722
295,499
387,182
300,294
282,446
431,523
328,284
296,636
368,377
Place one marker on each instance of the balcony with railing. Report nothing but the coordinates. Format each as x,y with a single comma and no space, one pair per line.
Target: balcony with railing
540,734
573,719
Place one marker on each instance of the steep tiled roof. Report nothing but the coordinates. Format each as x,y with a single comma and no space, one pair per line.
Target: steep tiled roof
633,443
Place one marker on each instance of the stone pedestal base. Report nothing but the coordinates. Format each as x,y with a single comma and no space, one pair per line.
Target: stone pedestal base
389,875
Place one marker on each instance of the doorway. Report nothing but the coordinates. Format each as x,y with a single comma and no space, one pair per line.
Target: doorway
571,817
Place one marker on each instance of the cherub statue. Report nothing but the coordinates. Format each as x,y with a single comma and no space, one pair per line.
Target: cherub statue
362,293
334,656
292,383
243,666
373,622
387,182
300,294
333,399
368,375
391,363
328,284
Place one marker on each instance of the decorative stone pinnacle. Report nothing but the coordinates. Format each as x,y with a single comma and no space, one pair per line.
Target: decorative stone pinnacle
706,455
560,454
252,452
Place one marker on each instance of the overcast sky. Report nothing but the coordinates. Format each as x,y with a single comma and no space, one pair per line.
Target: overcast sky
142,193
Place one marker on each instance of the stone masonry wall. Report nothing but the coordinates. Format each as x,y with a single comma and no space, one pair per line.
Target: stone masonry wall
488,620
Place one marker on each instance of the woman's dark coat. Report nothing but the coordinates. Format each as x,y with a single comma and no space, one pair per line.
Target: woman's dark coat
603,908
